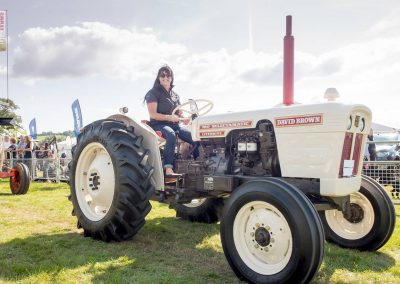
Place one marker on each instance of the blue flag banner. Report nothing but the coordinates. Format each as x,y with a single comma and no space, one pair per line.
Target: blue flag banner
32,129
76,112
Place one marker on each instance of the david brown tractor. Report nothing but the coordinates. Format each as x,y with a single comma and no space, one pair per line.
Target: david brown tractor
280,180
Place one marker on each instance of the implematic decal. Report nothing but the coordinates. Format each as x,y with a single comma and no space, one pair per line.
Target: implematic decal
310,119
229,124
212,133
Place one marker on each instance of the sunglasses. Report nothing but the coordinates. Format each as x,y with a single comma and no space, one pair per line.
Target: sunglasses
162,75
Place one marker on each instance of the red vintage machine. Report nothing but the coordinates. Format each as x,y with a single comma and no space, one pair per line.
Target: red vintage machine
19,173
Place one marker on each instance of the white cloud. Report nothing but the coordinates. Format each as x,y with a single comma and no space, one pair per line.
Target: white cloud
387,26
89,49
92,49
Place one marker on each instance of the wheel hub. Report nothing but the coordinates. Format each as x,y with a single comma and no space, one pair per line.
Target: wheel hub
356,213
262,237
94,179
360,221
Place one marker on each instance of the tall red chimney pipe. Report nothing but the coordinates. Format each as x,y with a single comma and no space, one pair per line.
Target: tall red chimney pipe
288,63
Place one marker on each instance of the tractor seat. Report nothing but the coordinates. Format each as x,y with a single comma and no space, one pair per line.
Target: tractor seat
161,139
159,133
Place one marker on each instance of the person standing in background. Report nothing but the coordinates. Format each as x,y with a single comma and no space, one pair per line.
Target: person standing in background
27,152
371,146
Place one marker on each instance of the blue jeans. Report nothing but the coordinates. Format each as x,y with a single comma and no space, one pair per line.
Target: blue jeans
169,132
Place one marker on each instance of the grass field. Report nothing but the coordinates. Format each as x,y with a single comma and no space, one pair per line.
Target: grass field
39,243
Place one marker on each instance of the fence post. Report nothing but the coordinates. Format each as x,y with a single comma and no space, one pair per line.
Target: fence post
57,169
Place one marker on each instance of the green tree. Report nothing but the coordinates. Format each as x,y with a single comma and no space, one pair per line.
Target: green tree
7,109
69,133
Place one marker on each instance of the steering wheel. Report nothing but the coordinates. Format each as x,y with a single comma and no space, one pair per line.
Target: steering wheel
195,108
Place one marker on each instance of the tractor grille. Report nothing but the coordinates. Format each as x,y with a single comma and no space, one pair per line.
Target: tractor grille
348,140
357,152
346,152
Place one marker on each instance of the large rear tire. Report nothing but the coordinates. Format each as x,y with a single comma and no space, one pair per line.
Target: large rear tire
372,221
19,184
203,210
271,233
110,181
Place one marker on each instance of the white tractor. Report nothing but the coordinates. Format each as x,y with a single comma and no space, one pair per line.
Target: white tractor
280,180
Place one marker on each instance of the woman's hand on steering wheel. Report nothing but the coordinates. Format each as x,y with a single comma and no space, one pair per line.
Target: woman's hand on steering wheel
193,110
174,118
186,120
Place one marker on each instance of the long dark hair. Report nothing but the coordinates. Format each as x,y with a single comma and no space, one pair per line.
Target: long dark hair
167,70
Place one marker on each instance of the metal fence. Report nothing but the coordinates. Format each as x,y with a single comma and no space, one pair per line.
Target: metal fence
386,173
44,169
386,168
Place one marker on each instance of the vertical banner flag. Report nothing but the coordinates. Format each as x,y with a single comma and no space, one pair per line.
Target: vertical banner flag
76,112
32,129
3,31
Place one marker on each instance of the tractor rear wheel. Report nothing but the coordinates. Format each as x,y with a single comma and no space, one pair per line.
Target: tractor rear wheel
371,223
19,183
271,233
203,210
110,181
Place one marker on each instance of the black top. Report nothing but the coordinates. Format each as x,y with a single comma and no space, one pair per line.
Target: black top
28,154
371,148
166,102
13,150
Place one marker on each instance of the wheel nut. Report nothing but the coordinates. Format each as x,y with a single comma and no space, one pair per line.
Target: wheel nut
256,246
252,234
267,227
272,240
257,225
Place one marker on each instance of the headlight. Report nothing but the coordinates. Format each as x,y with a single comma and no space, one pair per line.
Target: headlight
362,124
350,122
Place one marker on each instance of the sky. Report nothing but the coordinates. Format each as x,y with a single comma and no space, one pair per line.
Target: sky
107,53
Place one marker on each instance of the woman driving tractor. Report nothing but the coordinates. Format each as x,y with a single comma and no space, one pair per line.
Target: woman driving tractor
161,100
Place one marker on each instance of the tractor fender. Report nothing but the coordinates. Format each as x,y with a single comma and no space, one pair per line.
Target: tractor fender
150,142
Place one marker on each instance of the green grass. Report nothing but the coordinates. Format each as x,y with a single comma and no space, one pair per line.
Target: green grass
39,243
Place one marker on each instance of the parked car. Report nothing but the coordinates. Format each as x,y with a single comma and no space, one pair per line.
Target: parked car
391,153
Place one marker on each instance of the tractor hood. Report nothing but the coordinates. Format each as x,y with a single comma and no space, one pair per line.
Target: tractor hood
321,117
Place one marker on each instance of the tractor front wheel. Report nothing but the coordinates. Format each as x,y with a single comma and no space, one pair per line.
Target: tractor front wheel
371,222
271,233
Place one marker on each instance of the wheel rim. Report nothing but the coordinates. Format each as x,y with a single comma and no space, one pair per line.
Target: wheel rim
94,181
195,202
16,182
262,237
357,227
15,186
